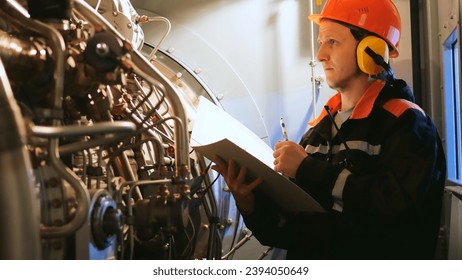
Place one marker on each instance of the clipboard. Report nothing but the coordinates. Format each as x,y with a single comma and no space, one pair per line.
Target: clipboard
217,133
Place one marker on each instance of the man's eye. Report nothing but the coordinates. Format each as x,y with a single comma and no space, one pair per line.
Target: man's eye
331,41
328,42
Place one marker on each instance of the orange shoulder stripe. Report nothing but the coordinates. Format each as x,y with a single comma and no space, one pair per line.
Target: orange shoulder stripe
398,106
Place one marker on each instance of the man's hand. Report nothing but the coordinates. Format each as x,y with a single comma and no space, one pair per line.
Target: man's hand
241,190
288,156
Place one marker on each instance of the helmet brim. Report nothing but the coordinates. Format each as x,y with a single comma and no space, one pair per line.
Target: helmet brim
316,18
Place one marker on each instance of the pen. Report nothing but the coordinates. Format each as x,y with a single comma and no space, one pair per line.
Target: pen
284,130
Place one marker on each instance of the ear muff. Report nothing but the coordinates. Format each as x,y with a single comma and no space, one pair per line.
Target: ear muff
367,60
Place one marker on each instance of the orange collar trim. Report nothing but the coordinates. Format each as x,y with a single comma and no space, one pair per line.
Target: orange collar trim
364,106
334,105
362,109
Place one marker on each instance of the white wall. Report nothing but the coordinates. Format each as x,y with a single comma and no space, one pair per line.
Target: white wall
267,45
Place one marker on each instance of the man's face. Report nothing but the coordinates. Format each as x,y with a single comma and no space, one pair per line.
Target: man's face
337,52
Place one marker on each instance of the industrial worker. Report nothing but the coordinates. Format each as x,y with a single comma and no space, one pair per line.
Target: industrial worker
373,159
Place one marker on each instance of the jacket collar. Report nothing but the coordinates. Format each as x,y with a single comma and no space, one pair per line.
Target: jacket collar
362,109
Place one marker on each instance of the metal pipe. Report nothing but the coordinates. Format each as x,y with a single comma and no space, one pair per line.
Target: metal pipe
58,46
118,155
167,31
80,146
79,130
147,71
238,245
20,228
416,45
122,128
313,63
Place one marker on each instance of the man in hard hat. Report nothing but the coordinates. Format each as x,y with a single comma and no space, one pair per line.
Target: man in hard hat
373,159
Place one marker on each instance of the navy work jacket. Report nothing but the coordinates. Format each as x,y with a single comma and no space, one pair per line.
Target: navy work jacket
380,179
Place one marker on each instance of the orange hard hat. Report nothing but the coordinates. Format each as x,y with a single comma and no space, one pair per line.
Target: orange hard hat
380,17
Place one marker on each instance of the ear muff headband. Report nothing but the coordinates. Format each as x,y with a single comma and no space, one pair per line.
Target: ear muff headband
367,62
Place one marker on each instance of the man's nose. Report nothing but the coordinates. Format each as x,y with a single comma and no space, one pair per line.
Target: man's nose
321,55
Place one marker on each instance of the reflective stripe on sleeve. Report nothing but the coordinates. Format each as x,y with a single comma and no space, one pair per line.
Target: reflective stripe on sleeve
337,191
322,149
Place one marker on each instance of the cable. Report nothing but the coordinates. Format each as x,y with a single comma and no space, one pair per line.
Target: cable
347,162
378,59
